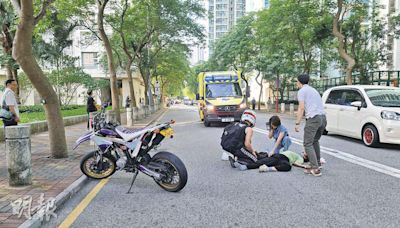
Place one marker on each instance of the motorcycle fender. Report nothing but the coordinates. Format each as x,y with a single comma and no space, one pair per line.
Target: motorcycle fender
83,138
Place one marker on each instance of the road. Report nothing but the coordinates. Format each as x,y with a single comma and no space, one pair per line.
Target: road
359,187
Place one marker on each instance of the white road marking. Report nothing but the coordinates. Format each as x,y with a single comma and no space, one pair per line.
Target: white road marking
349,158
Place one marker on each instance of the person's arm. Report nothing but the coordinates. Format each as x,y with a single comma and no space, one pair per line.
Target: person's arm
247,141
299,165
278,141
271,133
300,113
12,110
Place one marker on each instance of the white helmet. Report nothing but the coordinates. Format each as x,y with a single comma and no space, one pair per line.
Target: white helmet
250,116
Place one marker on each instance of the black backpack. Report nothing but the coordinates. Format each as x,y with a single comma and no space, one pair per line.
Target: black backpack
233,137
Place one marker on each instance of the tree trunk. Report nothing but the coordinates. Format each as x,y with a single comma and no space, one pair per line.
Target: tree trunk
130,82
111,66
22,53
143,74
261,89
149,90
341,39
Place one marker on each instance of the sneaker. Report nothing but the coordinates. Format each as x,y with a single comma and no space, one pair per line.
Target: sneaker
225,156
240,166
263,168
232,162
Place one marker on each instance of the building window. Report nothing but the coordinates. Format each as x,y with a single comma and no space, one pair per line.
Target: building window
89,60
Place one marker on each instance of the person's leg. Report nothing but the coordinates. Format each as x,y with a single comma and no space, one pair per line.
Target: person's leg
318,135
278,149
316,145
88,120
310,131
270,161
283,164
245,158
286,142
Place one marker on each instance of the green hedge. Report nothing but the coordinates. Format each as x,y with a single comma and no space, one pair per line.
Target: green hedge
40,108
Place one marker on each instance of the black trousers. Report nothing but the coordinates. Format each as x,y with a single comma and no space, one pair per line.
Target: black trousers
10,122
244,156
279,161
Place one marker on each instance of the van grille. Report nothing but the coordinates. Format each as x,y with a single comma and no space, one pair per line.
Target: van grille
227,108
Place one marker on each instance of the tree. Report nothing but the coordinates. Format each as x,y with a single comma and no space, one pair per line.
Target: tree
171,68
7,24
299,27
101,5
23,54
362,35
71,79
157,24
121,25
51,52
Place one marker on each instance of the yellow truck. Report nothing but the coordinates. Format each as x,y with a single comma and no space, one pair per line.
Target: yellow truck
220,97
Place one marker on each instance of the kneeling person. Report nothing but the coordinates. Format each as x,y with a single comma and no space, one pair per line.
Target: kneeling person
237,137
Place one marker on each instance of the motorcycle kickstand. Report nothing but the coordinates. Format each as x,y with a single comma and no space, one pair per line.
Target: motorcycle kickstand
133,180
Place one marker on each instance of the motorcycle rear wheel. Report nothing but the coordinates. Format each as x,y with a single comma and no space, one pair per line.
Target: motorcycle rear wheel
90,167
176,173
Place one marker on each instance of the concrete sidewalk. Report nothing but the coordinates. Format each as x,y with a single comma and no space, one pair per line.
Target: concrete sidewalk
50,176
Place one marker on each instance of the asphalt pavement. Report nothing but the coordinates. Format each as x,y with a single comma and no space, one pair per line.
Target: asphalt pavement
348,194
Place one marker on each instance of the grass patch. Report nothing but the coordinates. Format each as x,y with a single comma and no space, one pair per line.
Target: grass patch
28,117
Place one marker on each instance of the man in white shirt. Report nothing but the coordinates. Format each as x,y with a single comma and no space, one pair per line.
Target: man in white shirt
9,102
310,103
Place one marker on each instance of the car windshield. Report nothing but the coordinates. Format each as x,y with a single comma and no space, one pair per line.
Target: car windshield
223,90
384,97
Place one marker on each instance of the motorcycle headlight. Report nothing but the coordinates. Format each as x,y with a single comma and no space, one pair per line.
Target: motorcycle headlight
389,115
243,106
210,107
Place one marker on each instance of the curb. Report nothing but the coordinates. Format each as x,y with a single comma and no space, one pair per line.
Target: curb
60,199
68,193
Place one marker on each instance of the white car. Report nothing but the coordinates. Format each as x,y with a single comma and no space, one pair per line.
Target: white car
370,113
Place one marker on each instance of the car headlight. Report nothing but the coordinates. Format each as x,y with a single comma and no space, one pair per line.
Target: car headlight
389,115
210,107
243,105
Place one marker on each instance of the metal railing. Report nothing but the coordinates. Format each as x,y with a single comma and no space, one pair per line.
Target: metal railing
384,78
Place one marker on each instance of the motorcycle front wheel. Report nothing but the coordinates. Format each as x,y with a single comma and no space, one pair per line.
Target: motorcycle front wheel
174,171
94,168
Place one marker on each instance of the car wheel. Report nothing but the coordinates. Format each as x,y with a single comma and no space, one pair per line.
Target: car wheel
206,123
370,136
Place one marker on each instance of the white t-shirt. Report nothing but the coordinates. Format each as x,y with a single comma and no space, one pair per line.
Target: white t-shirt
312,101
9,97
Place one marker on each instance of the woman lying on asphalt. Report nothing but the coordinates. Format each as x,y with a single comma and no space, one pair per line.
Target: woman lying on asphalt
277,162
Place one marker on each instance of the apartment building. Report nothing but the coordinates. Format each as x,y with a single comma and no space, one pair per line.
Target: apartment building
223,15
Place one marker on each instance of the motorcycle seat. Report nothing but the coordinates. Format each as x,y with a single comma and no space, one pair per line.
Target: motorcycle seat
128,134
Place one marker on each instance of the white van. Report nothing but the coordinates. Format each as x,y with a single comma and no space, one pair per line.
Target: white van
370,113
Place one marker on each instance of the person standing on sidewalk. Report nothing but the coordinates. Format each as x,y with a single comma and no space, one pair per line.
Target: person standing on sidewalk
90,106
253,103
9,103
310,102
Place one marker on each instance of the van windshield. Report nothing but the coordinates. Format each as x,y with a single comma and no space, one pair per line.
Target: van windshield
223,90
384,97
